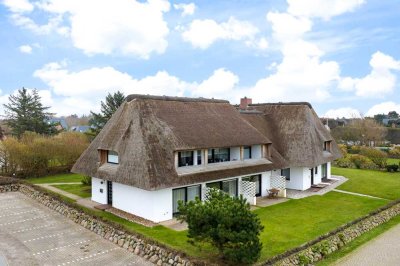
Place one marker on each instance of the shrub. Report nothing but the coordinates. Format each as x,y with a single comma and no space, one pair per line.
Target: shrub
392,167
343,149
355,149
395,152
225,222
362,162
376,156
86,180
344,162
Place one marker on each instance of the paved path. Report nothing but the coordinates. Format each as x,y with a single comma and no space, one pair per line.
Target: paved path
383,250
32,234
60,191
357,194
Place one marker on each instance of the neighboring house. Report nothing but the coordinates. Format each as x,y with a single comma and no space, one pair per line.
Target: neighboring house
59,123
82,129
155,151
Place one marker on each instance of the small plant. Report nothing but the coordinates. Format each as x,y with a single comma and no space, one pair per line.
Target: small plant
304,260
392,168
86,180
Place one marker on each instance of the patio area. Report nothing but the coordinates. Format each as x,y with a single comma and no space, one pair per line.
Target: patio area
318,189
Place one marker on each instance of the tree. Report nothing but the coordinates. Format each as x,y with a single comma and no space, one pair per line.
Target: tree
225,222
25,112
108,108
393,115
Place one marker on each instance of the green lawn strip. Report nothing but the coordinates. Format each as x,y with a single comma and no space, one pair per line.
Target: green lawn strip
60,178
393,161
359,242
80,190
292,223
370,182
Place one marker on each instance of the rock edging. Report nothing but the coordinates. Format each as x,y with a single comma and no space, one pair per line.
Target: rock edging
151,251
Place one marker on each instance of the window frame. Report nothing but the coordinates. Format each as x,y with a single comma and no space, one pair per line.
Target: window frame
316,170
249,148
115,154
180,157
220,185
212,159
186,195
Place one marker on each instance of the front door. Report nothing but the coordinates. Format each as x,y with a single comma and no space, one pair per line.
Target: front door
109,192
312,176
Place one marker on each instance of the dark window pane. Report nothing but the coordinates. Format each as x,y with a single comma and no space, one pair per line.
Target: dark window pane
230,187
199,157
177,195
185,158
193,192
247,152
286,173
214,185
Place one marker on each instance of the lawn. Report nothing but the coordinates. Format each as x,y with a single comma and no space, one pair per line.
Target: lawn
80,190
60,178
371,182
393,161
295,222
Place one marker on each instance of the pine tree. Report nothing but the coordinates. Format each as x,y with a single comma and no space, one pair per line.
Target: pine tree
25,112
108,108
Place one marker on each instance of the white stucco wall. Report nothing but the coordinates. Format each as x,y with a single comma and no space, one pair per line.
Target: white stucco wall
329,169
97,196
256,152
318,176
155,206
235,153
300,178
265,183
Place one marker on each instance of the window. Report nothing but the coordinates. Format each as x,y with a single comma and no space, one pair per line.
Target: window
185,158
316,170
229,186
257,180
286,173
218,155
184,194
247,152
199,157
112,157
327,146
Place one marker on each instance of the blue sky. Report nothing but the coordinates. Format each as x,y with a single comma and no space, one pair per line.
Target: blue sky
342,56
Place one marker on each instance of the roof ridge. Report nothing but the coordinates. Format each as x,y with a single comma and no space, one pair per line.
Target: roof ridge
283,103
132,97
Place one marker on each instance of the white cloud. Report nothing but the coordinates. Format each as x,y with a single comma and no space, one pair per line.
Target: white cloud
126,27
379,82
203,33
346,112
288,27
383,108
322,8
221,83
26,49
18,6
187,9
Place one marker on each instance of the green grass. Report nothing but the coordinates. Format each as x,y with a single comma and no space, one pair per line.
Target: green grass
359,242
292,223
60,178
393,161
371,182
77,189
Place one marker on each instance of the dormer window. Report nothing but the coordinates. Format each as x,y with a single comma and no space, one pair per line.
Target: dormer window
112,157
246,152
327,146
185,158
218,155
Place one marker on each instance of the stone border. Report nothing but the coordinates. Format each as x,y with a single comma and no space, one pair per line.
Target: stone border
317,249
135,243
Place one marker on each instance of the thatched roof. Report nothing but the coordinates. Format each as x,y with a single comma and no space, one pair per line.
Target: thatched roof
295,130
146,130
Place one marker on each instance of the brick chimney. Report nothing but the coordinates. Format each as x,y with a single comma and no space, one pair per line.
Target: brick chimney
244,102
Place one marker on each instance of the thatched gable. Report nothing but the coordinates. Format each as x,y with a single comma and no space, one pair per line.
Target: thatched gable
295,130
146,131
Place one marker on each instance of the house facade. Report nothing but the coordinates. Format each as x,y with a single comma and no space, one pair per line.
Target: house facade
156,151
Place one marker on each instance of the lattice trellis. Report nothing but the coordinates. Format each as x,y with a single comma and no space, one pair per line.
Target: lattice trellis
205,191
278,182
248,190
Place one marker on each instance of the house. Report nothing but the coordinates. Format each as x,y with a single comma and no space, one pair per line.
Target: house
60,123
157,150
81,129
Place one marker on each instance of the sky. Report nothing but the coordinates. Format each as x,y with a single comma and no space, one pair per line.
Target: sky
342,56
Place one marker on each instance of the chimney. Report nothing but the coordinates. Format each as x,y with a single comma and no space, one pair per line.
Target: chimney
244,102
